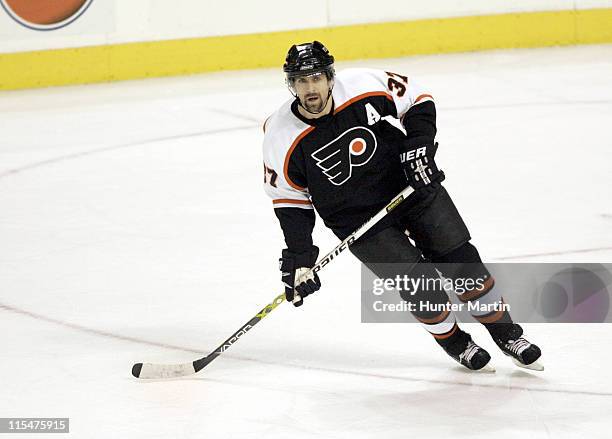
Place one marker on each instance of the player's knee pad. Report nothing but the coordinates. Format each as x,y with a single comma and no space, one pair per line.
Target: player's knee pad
464,267
462,262
464,253
425,289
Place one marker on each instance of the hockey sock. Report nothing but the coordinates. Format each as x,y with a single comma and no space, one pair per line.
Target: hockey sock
486,304
431,303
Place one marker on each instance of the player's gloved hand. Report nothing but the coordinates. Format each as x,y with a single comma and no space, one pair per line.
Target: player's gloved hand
296,275
419,165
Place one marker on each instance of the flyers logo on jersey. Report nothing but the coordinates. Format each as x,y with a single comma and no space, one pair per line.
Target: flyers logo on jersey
355,147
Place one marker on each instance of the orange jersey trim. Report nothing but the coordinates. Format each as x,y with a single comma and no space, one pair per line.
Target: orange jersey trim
362,96
421,97
290,201
288,156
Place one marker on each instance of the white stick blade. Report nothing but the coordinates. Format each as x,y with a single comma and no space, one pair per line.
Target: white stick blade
149,371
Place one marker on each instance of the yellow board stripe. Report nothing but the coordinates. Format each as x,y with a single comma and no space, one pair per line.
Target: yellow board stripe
235,52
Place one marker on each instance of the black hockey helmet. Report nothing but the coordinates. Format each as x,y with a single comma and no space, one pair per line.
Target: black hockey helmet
308,58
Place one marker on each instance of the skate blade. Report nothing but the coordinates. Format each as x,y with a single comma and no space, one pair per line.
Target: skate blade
536,365
487,368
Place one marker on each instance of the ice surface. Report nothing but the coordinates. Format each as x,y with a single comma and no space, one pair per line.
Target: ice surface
133,227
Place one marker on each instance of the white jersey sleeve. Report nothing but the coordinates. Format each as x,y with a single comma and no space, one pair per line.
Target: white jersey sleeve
282,132
404,91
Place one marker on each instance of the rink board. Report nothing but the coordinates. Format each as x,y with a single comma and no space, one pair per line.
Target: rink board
234,52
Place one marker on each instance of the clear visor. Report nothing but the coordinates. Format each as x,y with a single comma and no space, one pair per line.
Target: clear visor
304,77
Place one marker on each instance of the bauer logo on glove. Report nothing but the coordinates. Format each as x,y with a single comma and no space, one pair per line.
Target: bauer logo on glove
419,165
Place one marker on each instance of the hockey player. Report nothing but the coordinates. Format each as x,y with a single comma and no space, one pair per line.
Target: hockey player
336,148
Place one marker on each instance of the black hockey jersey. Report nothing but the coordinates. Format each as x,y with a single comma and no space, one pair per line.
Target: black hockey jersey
345,164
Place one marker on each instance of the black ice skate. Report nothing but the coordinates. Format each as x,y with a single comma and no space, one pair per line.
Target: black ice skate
464,351
510,340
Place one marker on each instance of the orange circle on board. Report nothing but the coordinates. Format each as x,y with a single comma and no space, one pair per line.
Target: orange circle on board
45,12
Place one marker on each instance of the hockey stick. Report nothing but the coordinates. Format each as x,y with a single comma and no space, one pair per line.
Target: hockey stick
160,371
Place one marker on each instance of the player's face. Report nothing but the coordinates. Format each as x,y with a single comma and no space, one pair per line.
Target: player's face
312,90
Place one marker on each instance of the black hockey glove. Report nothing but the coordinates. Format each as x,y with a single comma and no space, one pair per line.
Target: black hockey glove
419,165
296,275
